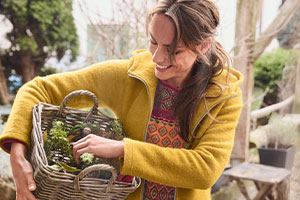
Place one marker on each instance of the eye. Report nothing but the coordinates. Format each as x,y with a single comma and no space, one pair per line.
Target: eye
178,51
152,42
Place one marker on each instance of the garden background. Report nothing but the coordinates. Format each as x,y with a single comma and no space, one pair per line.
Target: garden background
38,38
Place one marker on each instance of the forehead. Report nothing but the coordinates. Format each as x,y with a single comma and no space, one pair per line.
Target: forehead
162,29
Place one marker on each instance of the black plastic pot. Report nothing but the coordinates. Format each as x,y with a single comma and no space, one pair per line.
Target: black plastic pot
277,157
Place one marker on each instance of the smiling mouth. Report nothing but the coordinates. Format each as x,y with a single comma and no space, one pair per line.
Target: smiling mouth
162,67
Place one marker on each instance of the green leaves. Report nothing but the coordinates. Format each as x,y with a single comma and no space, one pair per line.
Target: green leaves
87,158
117,128
60,166
41,29
59,151
268,68
68,168
57,142
28,44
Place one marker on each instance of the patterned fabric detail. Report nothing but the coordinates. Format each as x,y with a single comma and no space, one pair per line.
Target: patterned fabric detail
158,191
164,103
163,130
165,135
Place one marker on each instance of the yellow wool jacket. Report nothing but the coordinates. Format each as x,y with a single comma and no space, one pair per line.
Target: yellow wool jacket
127,87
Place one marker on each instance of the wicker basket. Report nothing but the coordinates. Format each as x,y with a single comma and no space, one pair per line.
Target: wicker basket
52,184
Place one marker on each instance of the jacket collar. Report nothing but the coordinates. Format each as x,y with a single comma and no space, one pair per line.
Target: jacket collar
142,67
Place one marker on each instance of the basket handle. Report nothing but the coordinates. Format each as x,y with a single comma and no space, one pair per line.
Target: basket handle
79,93
96,167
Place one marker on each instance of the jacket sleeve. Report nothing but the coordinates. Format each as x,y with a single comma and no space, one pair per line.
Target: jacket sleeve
53,88
198,167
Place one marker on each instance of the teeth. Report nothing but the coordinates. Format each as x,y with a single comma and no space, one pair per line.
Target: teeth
162,67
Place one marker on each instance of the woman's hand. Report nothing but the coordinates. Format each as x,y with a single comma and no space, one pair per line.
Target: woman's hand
22,172
99,146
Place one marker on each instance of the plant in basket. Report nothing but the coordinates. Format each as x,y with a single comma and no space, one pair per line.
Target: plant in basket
58,147
54,130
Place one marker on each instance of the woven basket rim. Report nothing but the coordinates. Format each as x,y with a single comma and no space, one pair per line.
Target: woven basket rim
40,163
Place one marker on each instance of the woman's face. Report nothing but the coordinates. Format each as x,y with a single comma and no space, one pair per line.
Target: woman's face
162,32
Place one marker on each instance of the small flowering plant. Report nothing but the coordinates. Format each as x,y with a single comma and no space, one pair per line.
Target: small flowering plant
58,148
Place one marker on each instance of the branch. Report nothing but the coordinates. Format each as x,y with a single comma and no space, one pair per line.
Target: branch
269,109
285,14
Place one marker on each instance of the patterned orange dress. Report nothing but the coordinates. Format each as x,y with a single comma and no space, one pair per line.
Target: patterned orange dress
163,130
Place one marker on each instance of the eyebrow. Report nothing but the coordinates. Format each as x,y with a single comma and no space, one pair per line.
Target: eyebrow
168,45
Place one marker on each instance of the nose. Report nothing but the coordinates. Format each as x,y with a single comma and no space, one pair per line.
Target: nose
159,55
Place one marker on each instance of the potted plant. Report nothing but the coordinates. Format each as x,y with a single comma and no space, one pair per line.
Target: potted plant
281,137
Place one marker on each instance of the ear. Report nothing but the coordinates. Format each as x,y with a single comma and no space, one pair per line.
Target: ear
205,45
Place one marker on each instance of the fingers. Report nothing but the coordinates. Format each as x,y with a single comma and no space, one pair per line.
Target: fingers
99,146
81,140
25,192
79,148
23,176
25,196
31,185
28,175
79,145
22,172
78,153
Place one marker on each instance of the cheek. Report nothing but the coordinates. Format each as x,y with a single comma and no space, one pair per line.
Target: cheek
190,59
151,48
185,62
191,62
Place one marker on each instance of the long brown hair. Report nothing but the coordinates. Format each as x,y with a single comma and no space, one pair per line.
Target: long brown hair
194,20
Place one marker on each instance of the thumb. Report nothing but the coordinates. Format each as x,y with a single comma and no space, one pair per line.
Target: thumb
31,185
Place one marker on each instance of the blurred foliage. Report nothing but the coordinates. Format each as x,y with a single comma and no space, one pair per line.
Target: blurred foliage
47,70
281,132
41,29
268,68
258,97
289,36
227,192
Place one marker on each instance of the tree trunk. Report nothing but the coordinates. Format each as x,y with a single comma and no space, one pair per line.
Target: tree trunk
287,87
245,28
4,93
296,104
246,52
28,70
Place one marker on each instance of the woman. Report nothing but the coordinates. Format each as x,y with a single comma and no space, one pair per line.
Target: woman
180,107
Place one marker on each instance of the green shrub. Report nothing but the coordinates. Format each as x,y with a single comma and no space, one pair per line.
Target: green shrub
268,68
47,70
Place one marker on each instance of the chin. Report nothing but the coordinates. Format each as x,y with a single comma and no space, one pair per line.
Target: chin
160,76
